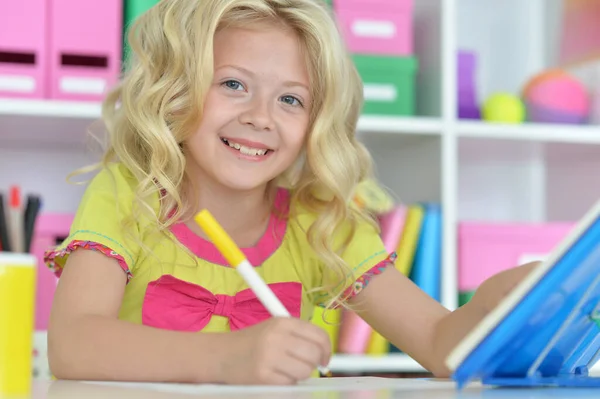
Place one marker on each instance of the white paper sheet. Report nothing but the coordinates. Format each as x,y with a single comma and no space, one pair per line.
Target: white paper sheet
312,385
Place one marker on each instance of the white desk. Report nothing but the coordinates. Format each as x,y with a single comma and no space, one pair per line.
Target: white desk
337,388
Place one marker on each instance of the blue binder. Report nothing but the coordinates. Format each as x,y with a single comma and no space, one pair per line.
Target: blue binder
426,271
546,332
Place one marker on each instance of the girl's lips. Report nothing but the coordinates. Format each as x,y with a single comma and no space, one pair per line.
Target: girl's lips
248,143
247,157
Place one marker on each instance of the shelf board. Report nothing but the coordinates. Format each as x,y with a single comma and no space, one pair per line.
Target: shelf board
59,123
50,108
395,362
541,132
46,123
91,110
399,125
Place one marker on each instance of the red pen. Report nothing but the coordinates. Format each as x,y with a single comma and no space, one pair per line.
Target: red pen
15,220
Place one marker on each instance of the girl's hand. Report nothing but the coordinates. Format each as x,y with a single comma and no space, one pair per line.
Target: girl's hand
278,351
497,287
453,327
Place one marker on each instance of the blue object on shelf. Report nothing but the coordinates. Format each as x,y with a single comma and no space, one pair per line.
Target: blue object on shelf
426,273
547,331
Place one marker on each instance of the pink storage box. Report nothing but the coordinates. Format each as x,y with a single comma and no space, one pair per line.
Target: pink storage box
85,48
485,249
23,57
381,27
48,229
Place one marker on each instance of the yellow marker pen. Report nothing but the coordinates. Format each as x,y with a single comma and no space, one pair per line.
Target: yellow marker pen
236,258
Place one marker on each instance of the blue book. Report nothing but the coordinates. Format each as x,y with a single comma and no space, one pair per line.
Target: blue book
546,332
426,270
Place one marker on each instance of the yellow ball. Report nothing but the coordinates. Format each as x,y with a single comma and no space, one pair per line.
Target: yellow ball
503,107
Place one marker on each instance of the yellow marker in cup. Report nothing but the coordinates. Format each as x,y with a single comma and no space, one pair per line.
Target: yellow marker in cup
17,303
237,259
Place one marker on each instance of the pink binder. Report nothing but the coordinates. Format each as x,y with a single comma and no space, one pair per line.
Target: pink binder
392,225
23,57
354,334
48,229
85,48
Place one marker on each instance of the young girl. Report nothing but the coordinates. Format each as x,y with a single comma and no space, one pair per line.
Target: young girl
247,108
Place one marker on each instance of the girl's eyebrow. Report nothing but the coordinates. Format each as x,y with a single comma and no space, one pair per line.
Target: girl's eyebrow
239,68
287,83
292,83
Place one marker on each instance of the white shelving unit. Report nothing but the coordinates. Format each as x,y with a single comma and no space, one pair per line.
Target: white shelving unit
476,170
52,109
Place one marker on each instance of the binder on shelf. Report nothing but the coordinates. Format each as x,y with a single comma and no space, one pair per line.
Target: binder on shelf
409,239
354,334
546,332
425,272
85,48
392,224
377,345
49,229
23,52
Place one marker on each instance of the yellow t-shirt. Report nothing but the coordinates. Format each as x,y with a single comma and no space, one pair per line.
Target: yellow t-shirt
181,282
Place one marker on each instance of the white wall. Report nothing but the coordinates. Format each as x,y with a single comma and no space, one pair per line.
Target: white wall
511,38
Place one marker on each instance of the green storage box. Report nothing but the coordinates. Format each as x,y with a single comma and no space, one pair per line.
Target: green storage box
131,10
389,84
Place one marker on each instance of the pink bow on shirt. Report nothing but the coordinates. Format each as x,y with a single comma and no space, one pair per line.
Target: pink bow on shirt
174,304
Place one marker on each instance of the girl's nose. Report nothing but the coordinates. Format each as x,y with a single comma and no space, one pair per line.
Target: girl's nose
258,115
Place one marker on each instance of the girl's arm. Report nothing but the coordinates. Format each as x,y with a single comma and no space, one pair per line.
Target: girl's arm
409,318
401,312
87,341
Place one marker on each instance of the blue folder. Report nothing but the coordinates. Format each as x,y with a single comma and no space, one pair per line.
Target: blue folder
425,272
546,332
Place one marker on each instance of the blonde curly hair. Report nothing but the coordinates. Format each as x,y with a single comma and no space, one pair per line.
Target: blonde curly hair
159,101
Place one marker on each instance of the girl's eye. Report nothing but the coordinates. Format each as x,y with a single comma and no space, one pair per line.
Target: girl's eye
291,100
233,85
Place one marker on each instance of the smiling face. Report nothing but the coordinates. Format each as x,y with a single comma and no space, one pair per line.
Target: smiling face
256,112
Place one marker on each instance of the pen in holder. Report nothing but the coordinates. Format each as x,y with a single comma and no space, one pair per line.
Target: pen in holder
15,221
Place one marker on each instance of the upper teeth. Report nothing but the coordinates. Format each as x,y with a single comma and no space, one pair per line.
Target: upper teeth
245,150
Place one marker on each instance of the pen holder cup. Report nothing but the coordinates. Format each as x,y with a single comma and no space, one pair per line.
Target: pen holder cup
17,303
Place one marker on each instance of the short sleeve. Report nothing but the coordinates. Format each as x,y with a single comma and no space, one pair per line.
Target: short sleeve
100,223
365,255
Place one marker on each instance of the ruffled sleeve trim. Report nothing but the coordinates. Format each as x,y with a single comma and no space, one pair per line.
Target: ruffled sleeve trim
51,257
363,280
